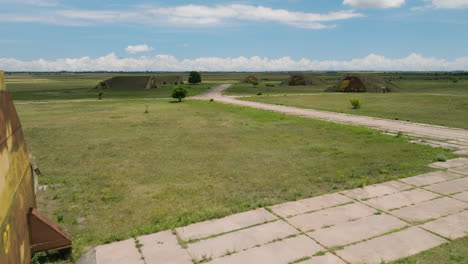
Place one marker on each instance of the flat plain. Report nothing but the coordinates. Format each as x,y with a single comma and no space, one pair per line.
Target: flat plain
438,102
113,172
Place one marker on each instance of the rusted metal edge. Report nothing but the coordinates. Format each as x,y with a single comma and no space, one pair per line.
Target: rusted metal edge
45,234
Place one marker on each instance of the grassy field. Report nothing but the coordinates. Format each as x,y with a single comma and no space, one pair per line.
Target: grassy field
432,102
452,253
68,86
114,172
128,173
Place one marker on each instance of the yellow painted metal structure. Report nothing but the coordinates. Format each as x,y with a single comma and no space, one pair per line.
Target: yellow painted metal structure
17,184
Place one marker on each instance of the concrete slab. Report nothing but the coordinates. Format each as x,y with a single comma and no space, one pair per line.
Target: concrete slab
401,199
463,170
240,240
163,247
331,216
350,232
430,178
226,224
430,209
391,247
461,196
325,259
308,205
122,252
452,227
377,190
281,252
449,187
450,163
461,152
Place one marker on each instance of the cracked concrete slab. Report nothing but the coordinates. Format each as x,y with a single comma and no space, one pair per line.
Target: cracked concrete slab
281,252
463,196
377,190
226,224
311,204
463,170
331,216
240,240
449,187
122,252
391,247
452,227
163,247
350,232
430,178
461,152
397,200
430,209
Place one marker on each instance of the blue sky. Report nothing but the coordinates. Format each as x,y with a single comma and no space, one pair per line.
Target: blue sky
234,35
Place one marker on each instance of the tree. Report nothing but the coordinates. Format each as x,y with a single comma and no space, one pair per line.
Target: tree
194,77
179,92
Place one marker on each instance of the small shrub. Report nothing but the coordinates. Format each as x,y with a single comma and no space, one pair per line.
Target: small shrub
179,92
455,79
356,103
270,85
255,82
211,100
441,157
259,93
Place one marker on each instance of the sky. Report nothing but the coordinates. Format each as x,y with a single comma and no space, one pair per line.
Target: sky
265,35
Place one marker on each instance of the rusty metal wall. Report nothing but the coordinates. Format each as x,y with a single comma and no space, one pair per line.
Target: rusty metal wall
17,192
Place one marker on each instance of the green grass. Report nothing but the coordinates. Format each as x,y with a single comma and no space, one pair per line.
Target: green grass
437,106
39,87
455,252
130,173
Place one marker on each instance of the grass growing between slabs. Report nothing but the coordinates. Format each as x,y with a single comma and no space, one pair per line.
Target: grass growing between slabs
444,104
114,172
455,252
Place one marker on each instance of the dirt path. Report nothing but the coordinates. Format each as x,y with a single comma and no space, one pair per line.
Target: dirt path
453,138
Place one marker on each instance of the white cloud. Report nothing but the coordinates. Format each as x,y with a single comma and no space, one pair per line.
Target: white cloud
449,4
111,62
138,48
375,3
46,3
187,15
206,15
